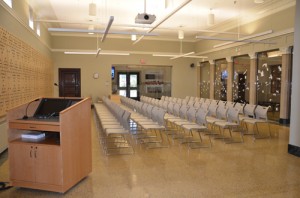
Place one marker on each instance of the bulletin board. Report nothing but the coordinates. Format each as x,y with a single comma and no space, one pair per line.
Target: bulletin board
25,74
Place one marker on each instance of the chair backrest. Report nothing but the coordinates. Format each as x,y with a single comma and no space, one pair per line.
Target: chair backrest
159,115
261,112
179,101
185,101
125,120
191,103
233,115
230,104
202,100
187,98
212,110
207,101
144,109
249,110
240,107
201,117
183,110
174,100
149,111
214,102
222,112
222,103
191,114
197,99
176,109
170,108
165,104
192,98
197,105
162,98
204,106
160,103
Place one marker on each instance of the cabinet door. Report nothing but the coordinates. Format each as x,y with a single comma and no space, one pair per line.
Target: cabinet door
21,159
48,164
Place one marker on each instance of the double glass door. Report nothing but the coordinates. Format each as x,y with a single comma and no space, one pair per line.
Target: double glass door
128,84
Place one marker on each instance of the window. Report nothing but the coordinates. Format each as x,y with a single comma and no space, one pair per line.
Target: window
241,79
31,24
268,81
221,75
8,2
204,80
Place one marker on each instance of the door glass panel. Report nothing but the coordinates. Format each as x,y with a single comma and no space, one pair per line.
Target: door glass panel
122,93
122,80
133,93
269,82
133,80
204,80
221,80
241,76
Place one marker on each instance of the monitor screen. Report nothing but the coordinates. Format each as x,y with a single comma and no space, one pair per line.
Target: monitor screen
112,72
50,107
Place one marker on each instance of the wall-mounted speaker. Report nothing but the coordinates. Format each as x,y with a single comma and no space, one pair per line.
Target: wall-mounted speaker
192,65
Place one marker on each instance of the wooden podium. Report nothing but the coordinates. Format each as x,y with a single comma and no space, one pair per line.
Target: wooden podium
59,161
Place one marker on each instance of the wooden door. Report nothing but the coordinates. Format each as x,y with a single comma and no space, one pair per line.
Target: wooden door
21,160
69,82
48,164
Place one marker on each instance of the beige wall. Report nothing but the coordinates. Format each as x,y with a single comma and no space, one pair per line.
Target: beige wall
184,78
16,22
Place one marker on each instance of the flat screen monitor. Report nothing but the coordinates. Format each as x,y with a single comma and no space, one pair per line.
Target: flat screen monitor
50,107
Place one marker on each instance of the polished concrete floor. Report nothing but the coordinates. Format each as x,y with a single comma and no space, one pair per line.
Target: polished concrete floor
260,168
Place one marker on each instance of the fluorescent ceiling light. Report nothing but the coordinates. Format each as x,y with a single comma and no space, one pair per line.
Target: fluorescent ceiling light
174,55
95,53
99,31
182,55
246,39
92,9
133,37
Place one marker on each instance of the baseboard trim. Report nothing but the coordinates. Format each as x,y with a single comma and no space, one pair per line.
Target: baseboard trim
294,150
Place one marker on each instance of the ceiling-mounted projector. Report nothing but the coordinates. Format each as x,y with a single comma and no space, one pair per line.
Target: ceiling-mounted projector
145,18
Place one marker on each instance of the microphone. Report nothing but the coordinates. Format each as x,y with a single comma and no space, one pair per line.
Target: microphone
25,116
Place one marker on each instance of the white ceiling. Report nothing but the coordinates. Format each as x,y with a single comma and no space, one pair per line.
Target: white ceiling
192,18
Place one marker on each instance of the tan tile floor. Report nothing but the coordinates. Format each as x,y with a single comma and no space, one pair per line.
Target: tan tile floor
260,168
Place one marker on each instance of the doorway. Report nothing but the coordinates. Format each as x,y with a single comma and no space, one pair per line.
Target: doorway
69,82
128,84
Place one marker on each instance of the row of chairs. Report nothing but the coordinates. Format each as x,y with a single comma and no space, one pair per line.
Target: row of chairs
184,116
249,117
114,127
149,125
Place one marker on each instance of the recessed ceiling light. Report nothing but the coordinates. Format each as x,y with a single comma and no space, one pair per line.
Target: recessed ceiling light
259,1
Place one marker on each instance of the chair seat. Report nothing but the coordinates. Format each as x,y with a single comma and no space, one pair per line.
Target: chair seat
253,121
154,126
212,120
116,131
226,124
193,126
